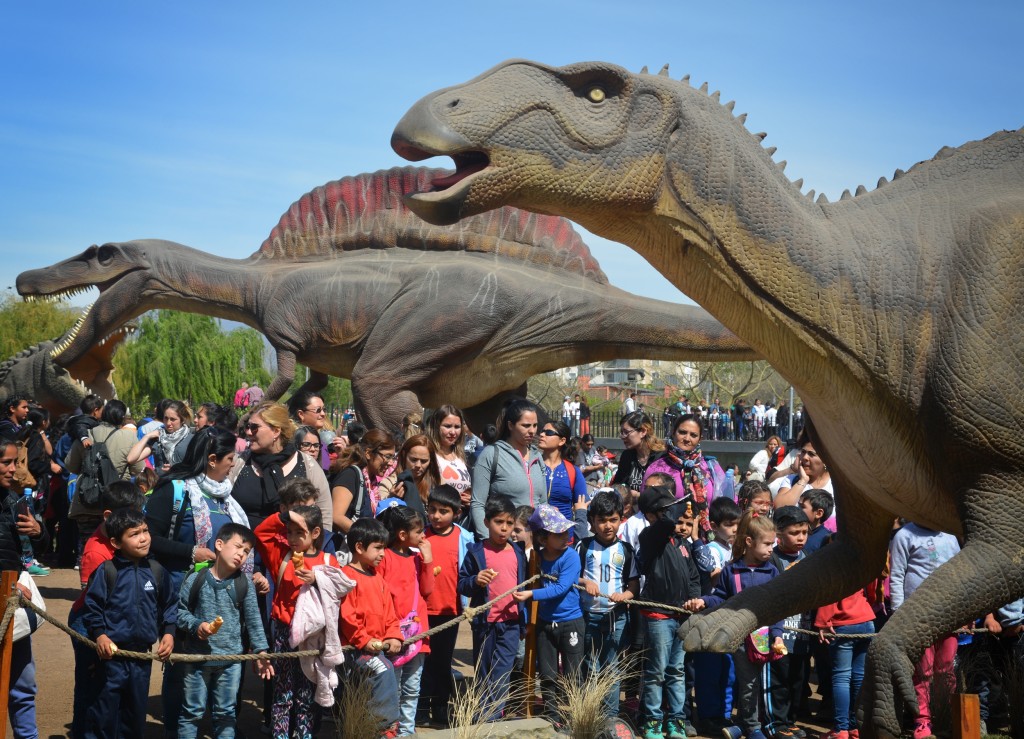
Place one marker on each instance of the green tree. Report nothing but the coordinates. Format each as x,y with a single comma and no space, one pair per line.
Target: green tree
187,356
24,324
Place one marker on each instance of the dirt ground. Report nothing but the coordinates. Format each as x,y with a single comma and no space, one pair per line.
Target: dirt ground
55,672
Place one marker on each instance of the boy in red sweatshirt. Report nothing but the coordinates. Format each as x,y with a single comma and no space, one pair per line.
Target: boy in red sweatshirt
369,621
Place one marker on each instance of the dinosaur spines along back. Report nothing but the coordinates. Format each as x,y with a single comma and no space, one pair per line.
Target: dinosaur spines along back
366,211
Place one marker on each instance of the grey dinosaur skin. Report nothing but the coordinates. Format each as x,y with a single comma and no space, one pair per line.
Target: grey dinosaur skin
33,373
410,327
895,312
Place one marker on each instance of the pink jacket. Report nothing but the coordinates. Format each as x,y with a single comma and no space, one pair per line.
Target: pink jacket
315,626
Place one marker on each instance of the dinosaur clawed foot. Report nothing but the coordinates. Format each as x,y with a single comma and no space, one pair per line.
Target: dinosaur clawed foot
888,679
721,630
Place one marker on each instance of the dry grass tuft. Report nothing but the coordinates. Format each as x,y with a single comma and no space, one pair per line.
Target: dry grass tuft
472,705
353,711
582,710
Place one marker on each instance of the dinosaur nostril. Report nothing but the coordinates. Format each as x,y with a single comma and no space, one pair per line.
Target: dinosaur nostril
454,103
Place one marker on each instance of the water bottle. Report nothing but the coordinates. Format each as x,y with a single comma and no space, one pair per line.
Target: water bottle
25,504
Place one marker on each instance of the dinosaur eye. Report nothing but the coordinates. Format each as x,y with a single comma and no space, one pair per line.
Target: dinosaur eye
595,94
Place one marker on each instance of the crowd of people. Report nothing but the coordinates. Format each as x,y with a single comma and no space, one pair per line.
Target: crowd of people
263,529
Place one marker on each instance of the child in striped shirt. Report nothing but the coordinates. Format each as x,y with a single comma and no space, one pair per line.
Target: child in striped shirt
609,574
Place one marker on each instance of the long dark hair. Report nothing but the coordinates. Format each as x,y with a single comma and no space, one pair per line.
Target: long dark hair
299,401
511,414
433,477
207,441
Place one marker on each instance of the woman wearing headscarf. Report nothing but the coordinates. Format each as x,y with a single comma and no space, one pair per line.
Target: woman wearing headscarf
694,474
167,443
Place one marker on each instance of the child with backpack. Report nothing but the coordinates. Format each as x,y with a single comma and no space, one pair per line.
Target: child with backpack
129,604
214,607
750,567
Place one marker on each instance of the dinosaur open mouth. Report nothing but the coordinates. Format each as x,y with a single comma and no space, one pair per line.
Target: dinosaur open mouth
444,203
466,165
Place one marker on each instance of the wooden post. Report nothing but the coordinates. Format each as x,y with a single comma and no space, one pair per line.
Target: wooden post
530,658
8,581
966,717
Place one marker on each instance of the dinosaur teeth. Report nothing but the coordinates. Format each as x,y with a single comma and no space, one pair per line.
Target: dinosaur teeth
782,165
704,88
730,105
771,150
686,79
742,118
760,135
664,71
644,70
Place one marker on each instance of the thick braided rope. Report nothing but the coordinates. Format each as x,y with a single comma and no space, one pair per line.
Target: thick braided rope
18,600
808,632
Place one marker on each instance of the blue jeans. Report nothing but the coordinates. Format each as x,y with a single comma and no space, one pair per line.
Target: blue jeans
172,687
381,674
21,700
664,671
87,666
221,684
603,639
408,676
848,657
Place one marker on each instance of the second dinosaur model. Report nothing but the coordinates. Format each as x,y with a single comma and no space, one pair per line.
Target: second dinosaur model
350,283
893,312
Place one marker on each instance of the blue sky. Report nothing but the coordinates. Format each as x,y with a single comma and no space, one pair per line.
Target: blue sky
202,122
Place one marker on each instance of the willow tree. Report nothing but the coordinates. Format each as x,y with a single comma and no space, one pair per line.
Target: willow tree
187,356
24,324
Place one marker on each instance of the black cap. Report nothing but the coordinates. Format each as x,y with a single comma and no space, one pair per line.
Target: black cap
655,498
789,515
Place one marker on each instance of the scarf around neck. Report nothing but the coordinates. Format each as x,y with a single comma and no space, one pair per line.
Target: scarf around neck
167,441
199,489
269,465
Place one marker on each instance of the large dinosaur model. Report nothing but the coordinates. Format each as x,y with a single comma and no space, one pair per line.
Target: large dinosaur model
35,373
891,311
351,283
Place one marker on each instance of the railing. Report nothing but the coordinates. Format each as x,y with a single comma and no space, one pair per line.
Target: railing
606,424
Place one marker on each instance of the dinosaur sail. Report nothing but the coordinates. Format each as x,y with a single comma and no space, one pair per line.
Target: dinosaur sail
366,211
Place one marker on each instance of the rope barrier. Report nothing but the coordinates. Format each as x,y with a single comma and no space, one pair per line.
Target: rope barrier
18,600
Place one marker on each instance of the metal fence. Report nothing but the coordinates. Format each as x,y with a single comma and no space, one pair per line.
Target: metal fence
606,424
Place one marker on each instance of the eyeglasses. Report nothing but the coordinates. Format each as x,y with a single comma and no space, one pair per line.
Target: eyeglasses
549,432
252,428
315,410
310,445
626,432
387,457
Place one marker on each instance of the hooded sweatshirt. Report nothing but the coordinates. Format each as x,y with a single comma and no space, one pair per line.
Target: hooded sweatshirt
501,470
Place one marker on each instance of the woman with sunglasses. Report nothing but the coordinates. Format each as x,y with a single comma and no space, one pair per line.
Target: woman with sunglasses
309,410
357,476
510,467
271,459
642,447
564,482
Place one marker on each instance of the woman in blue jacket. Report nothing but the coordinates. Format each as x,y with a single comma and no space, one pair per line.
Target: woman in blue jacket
564,483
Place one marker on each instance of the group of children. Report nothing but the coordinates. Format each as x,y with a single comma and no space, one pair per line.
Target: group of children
402,575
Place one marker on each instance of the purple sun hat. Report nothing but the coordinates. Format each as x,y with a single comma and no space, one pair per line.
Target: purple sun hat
550,519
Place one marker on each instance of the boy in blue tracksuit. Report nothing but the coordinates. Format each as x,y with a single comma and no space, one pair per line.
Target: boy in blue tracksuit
129,604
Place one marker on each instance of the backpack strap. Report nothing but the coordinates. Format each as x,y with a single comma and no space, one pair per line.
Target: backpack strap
176,505
238,592
570,470
282,568
110,574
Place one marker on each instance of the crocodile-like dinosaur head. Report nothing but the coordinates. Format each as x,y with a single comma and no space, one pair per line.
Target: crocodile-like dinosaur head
527,135
34,373
119,271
